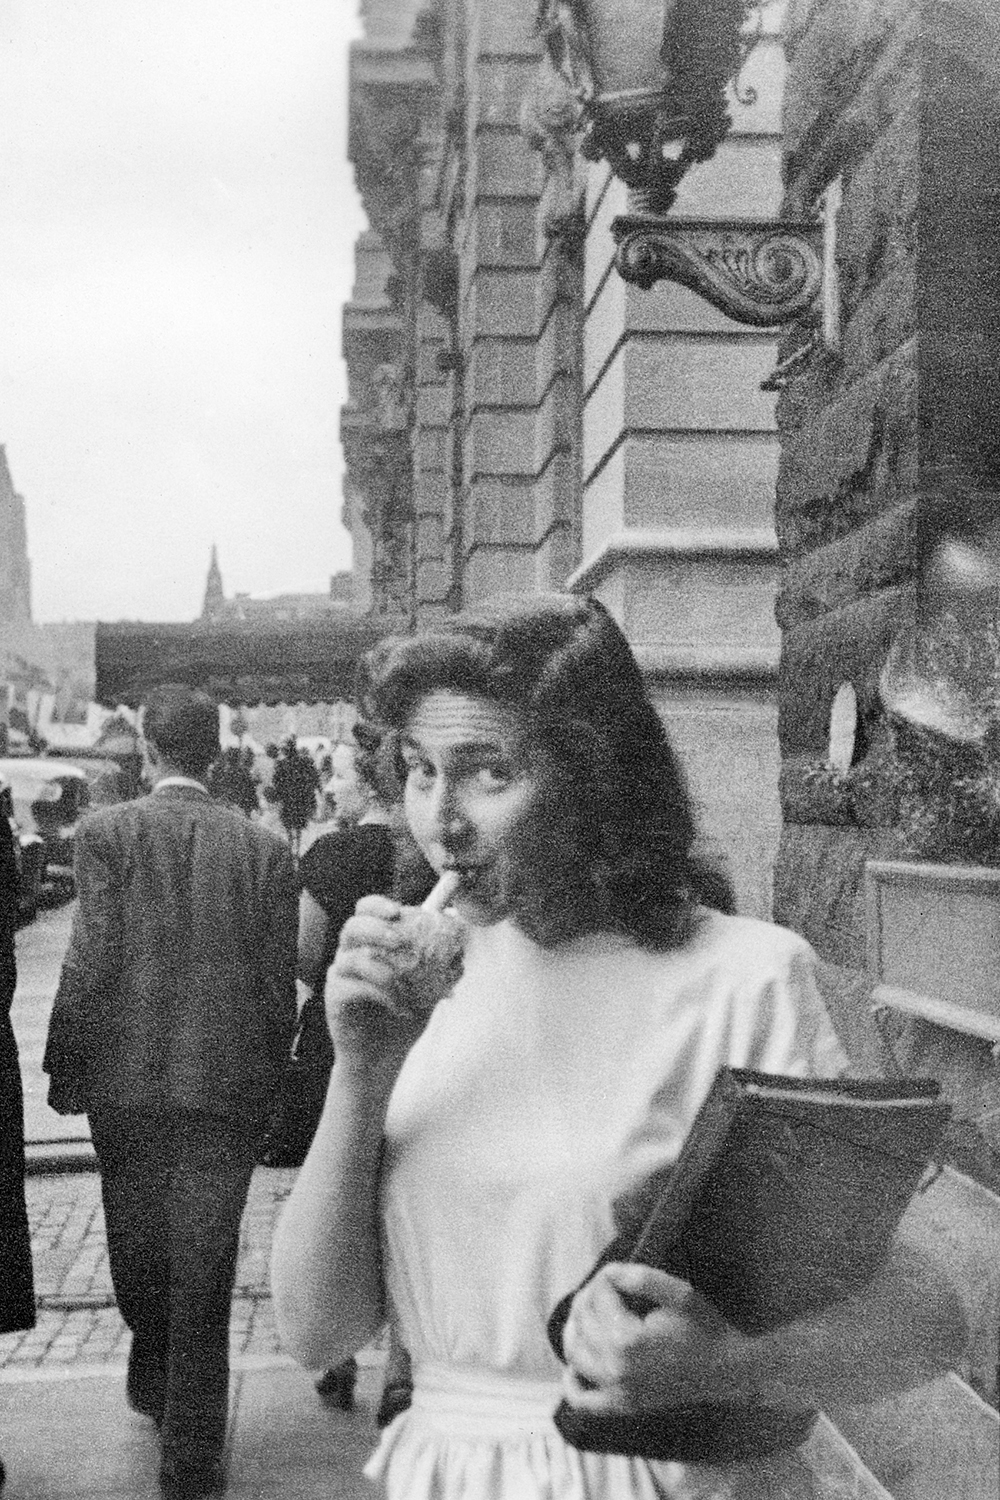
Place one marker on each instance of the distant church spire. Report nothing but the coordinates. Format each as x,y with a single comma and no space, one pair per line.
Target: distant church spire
214,596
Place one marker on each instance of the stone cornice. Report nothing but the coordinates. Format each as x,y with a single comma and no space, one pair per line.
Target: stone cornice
707,665
754,544
406,68
393,93
362,321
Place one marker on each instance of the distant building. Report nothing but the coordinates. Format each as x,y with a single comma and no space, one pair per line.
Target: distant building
215,599
217,609
46,671
15,569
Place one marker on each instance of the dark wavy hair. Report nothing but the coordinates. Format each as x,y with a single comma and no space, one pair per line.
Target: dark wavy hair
376,761
378,764
611,843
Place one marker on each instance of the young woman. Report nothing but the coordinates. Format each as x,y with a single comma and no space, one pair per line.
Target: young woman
366,855
477,1147
339,868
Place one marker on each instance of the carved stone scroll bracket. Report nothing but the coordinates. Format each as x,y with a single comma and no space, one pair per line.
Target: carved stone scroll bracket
762,273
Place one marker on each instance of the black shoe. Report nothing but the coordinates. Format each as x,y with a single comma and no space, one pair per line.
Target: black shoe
191,1481
397,1396
3,1474
335,1387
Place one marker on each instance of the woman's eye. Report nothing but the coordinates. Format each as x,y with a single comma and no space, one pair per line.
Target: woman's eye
495,777
418,772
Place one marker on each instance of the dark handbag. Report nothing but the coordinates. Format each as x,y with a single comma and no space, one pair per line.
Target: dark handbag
302,1090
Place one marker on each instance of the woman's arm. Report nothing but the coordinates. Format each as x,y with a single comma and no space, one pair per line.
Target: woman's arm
904,1327
326,1268
313,926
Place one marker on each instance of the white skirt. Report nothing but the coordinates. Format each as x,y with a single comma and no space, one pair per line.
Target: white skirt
477,1435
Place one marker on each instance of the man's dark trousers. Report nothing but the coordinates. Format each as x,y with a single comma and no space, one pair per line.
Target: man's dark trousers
174,1187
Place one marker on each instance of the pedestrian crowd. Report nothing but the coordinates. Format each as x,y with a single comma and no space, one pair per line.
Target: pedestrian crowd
520,976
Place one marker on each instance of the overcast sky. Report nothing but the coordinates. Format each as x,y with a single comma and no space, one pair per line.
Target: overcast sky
177,217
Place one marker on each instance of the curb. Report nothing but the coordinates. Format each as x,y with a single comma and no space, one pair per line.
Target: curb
49,1158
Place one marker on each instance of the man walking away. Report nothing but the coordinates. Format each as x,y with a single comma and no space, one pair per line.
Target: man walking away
170,1028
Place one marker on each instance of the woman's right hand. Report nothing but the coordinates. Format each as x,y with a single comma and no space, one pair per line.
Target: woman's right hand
374,1010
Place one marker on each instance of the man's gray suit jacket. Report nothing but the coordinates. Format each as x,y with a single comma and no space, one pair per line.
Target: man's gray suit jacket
178,987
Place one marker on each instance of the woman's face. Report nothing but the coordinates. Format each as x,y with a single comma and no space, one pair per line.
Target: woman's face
471,782
350,797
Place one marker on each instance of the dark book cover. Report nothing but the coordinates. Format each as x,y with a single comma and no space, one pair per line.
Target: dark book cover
785,1197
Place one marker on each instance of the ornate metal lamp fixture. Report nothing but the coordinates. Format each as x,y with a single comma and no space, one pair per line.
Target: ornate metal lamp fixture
644,85
651,110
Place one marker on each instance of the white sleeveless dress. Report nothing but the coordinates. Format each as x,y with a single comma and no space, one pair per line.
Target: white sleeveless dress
548,1084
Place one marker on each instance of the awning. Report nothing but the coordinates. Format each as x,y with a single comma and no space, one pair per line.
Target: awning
239,663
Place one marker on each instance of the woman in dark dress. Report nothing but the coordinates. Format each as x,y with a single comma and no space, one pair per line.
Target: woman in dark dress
17,1295
366,856
356,860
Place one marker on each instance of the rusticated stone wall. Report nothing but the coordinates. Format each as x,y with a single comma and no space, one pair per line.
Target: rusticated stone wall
888,444
849,472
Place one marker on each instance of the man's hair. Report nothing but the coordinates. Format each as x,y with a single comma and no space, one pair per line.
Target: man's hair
610,845
183,724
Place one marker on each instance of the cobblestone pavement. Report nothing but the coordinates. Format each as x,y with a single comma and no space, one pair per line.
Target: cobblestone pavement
78,1322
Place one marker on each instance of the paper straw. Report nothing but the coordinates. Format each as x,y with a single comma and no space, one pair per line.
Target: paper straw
442,892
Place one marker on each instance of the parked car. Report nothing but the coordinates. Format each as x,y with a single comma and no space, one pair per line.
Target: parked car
49,798
29,854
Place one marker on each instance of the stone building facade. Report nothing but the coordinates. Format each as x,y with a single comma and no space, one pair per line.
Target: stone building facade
887,505
520,420
887,515
15,569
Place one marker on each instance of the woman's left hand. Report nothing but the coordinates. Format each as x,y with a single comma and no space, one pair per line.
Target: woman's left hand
622,1360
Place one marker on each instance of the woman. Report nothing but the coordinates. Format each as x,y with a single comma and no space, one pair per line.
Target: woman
341,867
475,1147
17,1298
364,855
335,872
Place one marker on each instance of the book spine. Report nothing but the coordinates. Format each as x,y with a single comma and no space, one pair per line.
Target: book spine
664,1224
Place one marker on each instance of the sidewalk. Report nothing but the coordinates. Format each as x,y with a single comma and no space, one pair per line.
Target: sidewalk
65,1430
